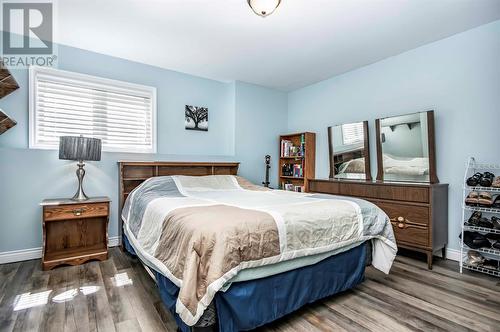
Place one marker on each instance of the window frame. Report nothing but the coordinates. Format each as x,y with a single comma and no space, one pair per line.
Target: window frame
105,84
343,135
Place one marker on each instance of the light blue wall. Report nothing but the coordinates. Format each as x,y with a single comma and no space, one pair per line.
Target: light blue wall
28,176
458,77
261,114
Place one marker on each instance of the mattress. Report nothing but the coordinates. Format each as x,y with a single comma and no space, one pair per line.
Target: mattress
204,233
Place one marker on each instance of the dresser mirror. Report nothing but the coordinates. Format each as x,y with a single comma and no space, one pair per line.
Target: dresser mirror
349,151
406,148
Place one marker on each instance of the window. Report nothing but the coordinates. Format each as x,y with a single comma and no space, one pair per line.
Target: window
122,115
352,133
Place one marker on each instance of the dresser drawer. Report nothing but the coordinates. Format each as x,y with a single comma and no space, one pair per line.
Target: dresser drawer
358,190
75,211
326,187
404,213
403,193
414,235
371,190
384,191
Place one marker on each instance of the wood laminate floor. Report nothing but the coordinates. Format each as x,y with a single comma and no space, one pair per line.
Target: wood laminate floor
118,295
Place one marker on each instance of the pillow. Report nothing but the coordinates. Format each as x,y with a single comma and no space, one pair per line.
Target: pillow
355,166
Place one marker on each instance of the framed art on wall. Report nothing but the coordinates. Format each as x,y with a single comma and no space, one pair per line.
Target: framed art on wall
196,118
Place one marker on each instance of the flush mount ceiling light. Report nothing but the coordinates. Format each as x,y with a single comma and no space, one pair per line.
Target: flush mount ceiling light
264,7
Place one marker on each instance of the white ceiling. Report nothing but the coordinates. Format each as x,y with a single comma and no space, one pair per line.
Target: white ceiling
303,42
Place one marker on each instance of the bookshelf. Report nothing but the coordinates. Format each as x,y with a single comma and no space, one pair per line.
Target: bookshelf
297,160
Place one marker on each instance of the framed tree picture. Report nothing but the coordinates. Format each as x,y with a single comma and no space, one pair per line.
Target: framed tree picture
196,118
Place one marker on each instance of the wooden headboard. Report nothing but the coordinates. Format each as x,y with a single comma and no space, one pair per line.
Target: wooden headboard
133,173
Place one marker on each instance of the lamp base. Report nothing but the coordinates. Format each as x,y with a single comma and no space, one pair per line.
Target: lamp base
80,197
80,173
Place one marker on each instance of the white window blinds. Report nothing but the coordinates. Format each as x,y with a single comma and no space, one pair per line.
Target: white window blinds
352,133
122,115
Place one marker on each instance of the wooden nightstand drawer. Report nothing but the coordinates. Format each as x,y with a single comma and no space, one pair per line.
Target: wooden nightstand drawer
75,211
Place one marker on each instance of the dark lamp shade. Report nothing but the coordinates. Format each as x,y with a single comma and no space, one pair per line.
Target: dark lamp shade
79,148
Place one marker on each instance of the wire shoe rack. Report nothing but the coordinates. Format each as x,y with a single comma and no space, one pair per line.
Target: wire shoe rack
467,210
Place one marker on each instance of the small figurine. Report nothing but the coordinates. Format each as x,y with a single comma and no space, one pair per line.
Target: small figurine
268,166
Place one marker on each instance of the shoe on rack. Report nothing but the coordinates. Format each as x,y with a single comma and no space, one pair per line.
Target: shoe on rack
495,221
475,240
474,258
490,264
472,199
481,242
493,236
496,245
485,223
474,180
485,199
496,182
474,218
496,202
487,179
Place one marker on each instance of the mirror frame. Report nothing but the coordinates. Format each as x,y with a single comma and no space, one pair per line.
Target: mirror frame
431,143
366,154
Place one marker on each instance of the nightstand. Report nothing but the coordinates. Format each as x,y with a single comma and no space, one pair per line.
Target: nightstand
74,231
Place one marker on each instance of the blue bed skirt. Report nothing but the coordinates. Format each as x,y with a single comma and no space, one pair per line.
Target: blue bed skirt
249,304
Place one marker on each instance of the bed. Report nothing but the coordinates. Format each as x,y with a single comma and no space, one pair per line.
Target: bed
179,219
405,166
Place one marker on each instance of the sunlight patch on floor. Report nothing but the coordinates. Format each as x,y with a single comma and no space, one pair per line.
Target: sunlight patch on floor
72,293
30,300
122,279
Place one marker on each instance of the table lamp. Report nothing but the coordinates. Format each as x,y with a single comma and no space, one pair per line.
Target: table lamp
80,149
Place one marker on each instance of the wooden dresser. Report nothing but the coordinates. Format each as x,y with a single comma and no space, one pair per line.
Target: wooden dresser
418,212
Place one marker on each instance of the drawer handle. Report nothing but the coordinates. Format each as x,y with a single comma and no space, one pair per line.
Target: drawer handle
399,219
78,212
401,225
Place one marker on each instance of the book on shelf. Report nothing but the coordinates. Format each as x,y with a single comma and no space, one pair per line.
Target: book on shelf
291,187
298,171
287,170
290,150
302,145
293,170
299,189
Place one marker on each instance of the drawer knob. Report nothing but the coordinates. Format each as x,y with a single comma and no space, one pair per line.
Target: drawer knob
78,212
401,219
401,225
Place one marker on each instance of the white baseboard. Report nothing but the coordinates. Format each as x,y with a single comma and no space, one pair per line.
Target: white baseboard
451,254
35,253
114,241
20,255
